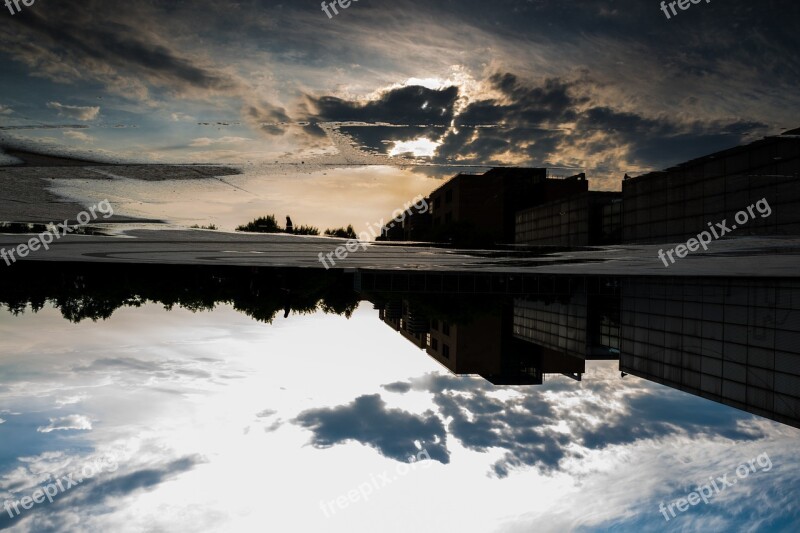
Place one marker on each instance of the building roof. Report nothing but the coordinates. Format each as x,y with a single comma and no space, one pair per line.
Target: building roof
790,134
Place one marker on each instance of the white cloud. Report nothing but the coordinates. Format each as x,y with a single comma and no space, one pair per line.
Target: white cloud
66,423
178,117
422,147
2,421
77,112
207,141
71,400
78,136
5,110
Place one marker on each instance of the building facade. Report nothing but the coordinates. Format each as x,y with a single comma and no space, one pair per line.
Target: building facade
481,208
585,219
677,204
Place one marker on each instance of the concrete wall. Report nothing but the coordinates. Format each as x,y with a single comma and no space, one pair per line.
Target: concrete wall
733,341
570,222
559,326
677,204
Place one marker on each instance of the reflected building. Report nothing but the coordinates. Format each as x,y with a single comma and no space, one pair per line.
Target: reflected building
676,204
503,346
731,340
399,316
583,324
734,341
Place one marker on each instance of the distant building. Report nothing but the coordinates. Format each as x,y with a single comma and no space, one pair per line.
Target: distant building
585,219
476,209
677,204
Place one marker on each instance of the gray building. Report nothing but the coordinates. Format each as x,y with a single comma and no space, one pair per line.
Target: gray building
734,341
584,219
677,204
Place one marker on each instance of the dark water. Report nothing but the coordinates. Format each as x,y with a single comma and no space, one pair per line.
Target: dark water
146,398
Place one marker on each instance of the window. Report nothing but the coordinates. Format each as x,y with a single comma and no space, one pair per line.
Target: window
448,196
435,344
609,333
435,325
446,328
445,351
448,217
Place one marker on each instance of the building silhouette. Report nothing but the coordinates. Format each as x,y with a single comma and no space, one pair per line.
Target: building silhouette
677,204
734,341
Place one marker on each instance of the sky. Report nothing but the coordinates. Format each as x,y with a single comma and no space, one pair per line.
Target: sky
213,421
413,91
610,86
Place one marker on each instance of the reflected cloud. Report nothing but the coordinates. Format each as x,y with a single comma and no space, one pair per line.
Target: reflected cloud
67,423
392,432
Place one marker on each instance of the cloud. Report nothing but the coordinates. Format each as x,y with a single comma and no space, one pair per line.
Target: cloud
266,413
181,117
67,423
392,432
400,387
562,122
207,141
411,105
139,480
78,136
5,110
531,426
558,122
99,493
2,421
84,113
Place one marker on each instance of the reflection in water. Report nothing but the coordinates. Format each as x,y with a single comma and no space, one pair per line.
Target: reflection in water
734,341
94,291
194,403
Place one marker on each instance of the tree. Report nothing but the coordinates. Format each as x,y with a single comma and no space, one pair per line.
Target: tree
267,224
348,233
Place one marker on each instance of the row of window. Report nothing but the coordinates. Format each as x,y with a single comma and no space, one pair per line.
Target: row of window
445,327
434,345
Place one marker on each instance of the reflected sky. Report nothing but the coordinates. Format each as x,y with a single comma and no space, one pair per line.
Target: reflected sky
221,423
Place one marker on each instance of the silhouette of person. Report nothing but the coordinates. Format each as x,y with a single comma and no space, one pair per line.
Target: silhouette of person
289,226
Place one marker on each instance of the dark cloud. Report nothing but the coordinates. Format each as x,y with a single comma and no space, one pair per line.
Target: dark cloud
392,432
525,426
550,123
555,124
117,45
398,386
143,479
99,491
411,105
